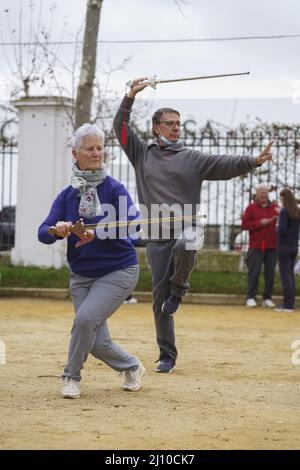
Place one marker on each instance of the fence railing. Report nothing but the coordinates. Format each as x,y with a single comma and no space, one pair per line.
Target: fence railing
8,189
223,202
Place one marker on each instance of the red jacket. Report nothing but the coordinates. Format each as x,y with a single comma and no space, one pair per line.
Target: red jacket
261,237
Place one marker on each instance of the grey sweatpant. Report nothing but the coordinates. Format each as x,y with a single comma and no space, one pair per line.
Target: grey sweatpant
171,263
95,300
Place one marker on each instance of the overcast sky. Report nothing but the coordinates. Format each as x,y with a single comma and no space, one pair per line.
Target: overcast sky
274,64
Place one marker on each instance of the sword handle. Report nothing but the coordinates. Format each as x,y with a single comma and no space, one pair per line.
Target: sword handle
78,228
152,81
52,230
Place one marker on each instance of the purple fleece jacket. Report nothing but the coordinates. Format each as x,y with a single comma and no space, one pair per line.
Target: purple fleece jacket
99,257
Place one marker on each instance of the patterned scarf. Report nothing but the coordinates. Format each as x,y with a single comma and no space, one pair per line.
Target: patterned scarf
86,182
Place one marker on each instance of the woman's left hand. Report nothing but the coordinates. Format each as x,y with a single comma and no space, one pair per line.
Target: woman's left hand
88,237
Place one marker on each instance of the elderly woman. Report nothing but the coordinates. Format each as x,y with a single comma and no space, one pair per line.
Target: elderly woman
104,270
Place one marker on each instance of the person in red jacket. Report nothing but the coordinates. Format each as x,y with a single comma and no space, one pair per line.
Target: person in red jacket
260,219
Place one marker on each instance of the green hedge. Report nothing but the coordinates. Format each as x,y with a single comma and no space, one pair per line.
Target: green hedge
201,282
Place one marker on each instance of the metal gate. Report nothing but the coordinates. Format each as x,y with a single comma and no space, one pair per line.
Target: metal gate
8,187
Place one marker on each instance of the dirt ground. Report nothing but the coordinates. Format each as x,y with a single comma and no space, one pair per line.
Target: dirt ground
234,386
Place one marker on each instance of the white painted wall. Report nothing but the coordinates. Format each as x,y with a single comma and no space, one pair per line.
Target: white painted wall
44,169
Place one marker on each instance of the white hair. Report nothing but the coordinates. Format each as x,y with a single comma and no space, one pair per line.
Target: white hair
84,131
262,186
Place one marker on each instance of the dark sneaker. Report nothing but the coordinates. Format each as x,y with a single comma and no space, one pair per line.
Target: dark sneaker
166,366
171,305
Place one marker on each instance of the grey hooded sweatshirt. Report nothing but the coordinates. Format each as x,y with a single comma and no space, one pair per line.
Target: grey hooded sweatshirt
174,174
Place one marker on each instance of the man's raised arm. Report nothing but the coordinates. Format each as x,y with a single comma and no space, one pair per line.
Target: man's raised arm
130,142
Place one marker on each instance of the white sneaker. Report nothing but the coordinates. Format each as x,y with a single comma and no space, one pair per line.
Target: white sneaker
268,303
131,301
133,377
71,388
282,309
251,303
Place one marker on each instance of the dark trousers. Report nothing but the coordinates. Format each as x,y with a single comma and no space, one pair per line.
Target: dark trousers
286,269
255,260
171,265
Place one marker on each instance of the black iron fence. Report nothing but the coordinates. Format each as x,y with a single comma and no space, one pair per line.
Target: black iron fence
8,187
223,202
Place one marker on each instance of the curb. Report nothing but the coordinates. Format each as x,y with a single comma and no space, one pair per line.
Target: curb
34,292
63,294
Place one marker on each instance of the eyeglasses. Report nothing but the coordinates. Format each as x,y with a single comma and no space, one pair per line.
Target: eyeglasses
171,124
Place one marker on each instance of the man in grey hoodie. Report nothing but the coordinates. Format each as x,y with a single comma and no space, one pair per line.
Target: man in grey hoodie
169,173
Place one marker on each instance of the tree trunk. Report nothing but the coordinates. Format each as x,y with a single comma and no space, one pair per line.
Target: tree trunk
87,74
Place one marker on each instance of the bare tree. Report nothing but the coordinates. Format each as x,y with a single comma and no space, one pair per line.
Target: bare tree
85,87
26,66
37,62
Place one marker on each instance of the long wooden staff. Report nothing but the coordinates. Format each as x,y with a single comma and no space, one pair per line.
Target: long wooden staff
79,228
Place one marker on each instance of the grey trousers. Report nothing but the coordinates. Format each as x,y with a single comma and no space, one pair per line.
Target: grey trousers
95,300
171,265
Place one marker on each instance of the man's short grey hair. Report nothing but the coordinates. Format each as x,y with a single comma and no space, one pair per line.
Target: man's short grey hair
262,186
84,131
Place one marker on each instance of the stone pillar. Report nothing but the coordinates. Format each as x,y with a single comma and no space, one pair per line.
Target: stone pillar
44,169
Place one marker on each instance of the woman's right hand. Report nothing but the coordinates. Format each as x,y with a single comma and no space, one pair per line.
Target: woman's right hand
62,228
